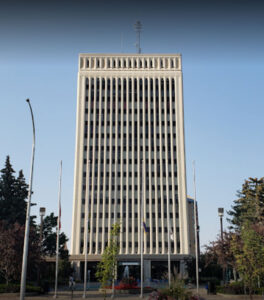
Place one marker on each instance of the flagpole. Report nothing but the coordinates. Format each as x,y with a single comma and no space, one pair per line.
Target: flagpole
58,235
115,215
141,233
86,228
195,231
169,242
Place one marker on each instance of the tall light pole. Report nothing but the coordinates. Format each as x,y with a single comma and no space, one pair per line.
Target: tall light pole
42,212
27,226
221,214
58,236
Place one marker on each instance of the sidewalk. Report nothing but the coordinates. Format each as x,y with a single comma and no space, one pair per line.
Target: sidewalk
96,295
76,295
203,294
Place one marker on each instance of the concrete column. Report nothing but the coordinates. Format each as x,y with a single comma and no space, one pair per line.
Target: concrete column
148,102
105,144
93,99
156,130
174,180
128,222
134,249
77,270
111,169
144,161
183,216
98,205
147,271
161,171
122,156
183,270
167,164
138,167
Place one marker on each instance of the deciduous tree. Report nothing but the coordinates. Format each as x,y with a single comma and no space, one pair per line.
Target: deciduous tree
248,249
106,269
11,251
220,251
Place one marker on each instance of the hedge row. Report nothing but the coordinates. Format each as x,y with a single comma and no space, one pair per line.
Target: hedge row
15,288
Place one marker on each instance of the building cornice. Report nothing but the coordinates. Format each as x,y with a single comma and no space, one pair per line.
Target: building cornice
140,62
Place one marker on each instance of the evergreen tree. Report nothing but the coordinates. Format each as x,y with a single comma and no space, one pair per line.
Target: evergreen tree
48,246
250,204
13,193
50,237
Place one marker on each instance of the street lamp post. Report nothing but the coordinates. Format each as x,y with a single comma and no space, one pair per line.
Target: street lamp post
221,214
42,212
27,226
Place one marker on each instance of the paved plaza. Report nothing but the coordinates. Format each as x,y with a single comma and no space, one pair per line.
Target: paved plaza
96,295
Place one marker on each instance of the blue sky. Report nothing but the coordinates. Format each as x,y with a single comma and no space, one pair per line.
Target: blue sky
223,69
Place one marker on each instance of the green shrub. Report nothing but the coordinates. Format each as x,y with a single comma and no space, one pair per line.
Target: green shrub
234,288
15,288
176,290
259,291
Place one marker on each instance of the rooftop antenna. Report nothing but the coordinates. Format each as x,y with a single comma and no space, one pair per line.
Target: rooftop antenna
138,27
122,42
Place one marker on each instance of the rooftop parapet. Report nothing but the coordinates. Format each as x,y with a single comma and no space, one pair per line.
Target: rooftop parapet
131,62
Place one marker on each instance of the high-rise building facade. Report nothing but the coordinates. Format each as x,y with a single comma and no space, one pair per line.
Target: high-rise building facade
130,138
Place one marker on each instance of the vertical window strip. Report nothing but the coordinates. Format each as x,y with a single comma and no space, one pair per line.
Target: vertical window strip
138,162
121,94
173,166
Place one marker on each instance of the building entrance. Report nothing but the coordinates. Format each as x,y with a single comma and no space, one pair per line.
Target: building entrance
128,269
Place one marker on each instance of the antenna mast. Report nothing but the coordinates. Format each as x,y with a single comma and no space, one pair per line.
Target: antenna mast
138,27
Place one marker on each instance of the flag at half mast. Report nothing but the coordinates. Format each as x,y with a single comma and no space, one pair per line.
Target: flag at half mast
146,229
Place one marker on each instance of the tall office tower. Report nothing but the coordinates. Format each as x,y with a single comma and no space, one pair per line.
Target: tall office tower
130,134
